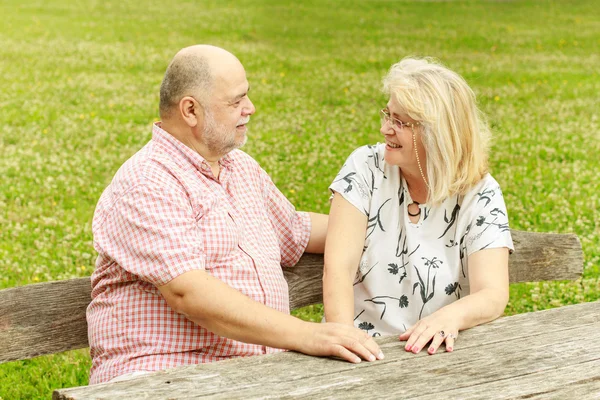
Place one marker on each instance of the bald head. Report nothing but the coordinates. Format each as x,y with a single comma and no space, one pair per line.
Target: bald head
193,72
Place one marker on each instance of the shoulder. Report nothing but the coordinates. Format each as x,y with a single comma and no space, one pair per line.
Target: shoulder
149,167
364,156
367,153
487,186
148,173
483,195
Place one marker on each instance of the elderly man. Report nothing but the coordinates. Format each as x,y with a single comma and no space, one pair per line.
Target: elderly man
191,236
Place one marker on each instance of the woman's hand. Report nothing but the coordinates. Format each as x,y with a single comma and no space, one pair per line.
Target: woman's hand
437,328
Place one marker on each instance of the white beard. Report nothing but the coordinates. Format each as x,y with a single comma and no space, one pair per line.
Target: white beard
220,139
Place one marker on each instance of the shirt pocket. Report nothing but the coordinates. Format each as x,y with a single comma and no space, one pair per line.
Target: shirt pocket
220,234
265,235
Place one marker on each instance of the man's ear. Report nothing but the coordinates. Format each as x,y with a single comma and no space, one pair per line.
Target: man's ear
191,111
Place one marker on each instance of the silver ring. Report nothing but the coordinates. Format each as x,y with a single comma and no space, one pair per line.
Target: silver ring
442,334
451,336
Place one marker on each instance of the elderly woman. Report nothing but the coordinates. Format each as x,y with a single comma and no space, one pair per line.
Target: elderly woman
418,237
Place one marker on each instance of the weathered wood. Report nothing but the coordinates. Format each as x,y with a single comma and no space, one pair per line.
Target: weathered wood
545,257
49,317
552,353
305,281
43,318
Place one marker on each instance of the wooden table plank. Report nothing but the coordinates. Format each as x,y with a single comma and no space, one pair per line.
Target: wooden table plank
536,354
561,383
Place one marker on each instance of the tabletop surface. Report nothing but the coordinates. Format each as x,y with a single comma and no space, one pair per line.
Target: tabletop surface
546,354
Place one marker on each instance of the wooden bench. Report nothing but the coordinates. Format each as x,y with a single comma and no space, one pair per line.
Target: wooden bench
49,318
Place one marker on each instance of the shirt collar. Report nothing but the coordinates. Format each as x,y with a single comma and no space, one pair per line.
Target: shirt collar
180,150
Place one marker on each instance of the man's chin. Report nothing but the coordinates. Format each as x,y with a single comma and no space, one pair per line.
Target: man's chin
243,142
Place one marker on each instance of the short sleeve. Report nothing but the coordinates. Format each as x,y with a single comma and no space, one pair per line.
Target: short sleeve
292,228
355,178
489,225
152,234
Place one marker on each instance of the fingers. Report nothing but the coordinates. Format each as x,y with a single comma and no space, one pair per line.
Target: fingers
348,343
365,347
438,339
404,336
373,347
344,353
420,334
450,341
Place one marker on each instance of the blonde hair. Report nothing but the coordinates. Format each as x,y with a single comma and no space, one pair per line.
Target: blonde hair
454,131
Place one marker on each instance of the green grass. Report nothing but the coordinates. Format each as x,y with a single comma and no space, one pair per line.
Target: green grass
79,89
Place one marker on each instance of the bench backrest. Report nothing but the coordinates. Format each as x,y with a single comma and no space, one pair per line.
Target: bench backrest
48,318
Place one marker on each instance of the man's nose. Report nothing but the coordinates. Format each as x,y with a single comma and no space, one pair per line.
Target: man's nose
249,108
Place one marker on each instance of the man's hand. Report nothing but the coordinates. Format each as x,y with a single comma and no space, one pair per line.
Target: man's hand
337,340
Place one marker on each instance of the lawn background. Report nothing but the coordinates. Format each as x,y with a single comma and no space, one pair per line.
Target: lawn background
79,87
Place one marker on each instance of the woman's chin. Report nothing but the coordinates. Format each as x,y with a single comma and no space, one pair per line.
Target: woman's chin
392,157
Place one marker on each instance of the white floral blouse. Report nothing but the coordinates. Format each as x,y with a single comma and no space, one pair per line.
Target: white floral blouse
409,270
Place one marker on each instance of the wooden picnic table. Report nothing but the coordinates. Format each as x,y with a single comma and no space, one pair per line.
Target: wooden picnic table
546,354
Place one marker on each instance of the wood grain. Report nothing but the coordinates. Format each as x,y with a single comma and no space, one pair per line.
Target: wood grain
49,317
548,354
44,318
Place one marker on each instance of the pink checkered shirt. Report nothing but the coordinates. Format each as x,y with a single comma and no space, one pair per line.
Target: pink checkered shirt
165,214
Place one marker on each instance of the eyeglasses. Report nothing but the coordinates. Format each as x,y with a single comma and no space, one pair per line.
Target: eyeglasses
396,123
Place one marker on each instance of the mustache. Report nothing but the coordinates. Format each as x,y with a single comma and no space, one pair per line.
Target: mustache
243,121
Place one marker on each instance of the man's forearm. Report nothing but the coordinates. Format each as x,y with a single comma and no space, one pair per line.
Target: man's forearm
318,232
226,312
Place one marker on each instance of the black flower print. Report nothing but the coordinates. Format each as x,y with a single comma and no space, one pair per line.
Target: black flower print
372,188
394,270
426,211
348,178
482,220
452,220
452,243
379,300
376,221
424,287
376,159
433,262
366,326
400,196
452,289
486,195
462,250
496,211
403,301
